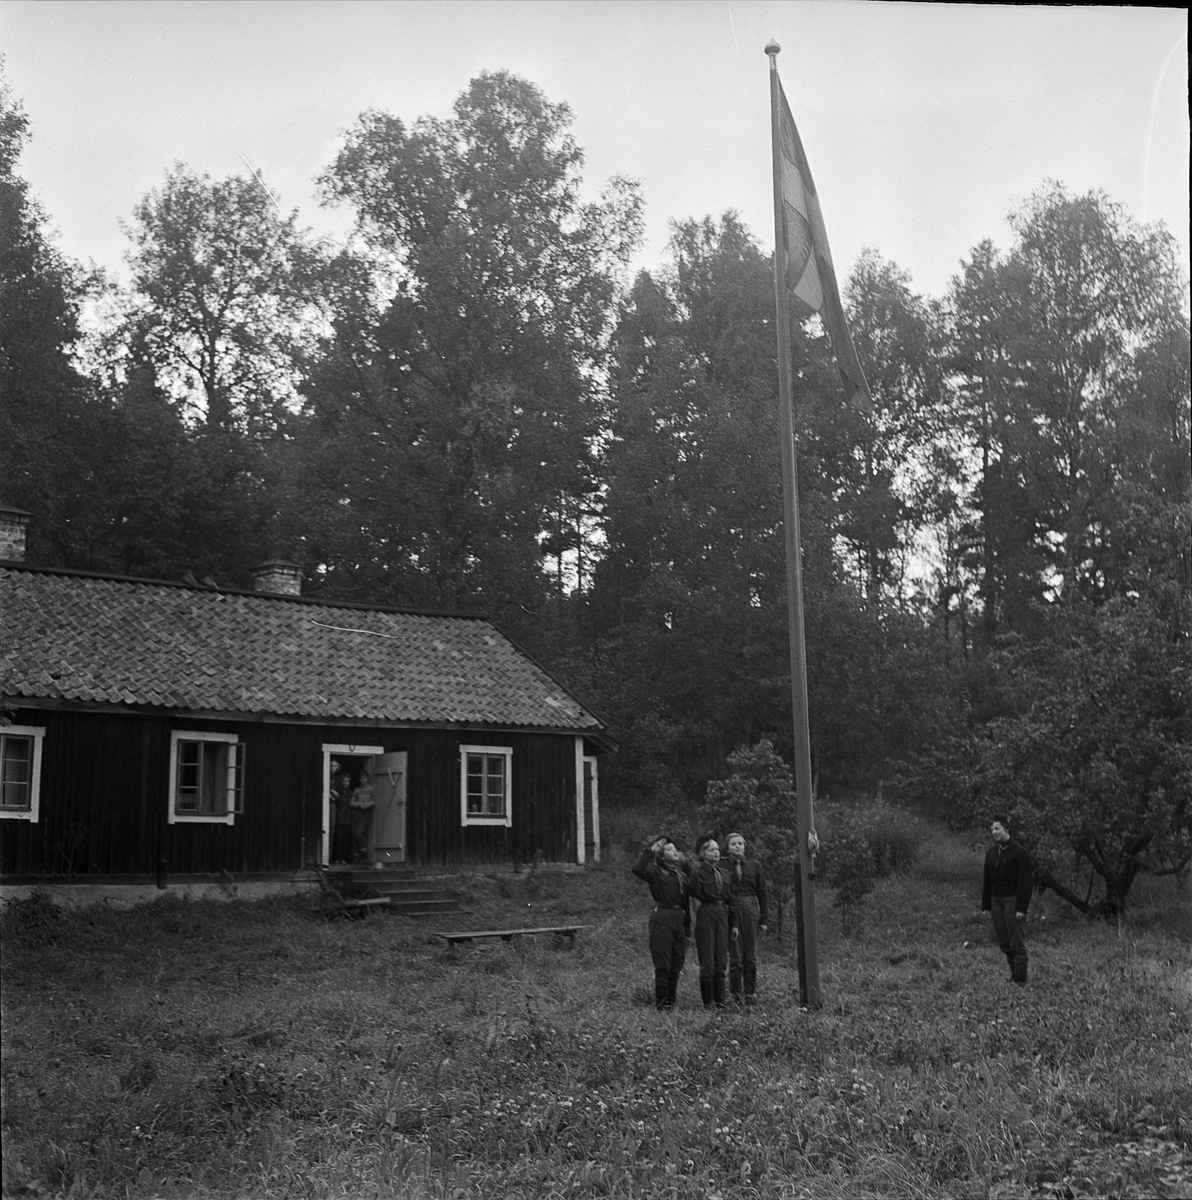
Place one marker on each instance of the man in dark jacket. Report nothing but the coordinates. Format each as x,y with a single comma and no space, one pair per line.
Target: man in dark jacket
747,899
661,866
1005,895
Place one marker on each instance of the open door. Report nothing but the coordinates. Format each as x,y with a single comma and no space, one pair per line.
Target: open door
389,815
591,812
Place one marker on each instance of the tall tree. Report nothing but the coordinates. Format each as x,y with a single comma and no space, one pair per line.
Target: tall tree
1150,551
688,609
227,298
53,426
1064,351
111,472
889,482
180,498
687,598
225,291
1070,431
462,397
997,539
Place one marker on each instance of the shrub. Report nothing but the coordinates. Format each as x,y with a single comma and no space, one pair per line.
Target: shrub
849,867
758,801
863,846
1087,746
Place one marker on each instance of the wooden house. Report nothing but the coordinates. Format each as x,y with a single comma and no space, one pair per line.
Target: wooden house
154,730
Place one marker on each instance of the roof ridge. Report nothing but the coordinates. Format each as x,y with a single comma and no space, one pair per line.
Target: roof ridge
178,584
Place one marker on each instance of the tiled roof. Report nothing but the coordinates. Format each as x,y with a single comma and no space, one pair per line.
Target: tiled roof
118,641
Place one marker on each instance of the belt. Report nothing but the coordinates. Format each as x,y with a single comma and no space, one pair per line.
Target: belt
668,907
712,902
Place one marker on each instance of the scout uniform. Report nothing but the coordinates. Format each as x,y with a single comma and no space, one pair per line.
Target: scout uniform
710,886
670,922
749,906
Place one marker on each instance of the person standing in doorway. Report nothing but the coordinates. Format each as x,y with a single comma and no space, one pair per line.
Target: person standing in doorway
362,813
713,923
1005,894
749,907
341,814
661,866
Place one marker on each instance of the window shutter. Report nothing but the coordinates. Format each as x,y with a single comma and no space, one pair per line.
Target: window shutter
236,778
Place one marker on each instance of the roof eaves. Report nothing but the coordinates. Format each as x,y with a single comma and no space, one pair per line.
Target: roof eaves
133,708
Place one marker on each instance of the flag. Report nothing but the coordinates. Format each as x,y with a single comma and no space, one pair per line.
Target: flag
810,277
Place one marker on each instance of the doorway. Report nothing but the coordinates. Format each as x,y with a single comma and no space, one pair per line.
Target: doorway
353,760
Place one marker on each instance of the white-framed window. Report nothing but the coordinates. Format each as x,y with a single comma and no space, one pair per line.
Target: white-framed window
206,778
20,771
485,773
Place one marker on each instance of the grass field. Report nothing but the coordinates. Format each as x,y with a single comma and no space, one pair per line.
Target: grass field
254,1050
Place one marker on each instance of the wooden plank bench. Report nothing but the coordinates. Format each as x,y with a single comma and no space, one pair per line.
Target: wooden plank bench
453,937
332,900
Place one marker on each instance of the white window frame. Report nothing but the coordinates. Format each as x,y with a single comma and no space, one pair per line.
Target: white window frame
467,818
226,818
37,733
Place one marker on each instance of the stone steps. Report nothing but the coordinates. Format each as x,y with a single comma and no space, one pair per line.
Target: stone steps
409,894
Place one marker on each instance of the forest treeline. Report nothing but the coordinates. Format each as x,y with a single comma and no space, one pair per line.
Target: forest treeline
472,407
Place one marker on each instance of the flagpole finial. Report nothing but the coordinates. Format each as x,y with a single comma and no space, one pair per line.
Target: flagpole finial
772,48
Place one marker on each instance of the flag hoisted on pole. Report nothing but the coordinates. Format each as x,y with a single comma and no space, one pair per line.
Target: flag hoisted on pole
802,268
799,223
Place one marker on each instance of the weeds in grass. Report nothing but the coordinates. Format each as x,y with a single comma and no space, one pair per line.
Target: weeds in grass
216,1050
33,920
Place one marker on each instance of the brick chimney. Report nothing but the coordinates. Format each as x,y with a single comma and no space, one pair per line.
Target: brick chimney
278,577
12,533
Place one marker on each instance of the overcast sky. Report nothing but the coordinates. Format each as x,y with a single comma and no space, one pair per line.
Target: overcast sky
924,124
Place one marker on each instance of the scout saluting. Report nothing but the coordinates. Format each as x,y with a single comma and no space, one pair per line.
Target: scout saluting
662,867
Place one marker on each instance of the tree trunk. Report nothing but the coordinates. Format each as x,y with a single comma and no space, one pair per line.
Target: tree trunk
1045,880
1118,873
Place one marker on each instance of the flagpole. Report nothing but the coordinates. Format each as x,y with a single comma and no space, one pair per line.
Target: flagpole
808,955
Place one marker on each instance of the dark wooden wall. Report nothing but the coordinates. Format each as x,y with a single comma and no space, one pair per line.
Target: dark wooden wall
105,792
543,798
